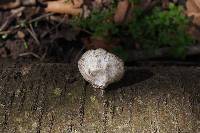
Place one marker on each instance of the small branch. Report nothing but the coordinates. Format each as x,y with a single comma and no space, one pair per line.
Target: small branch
41,17
135,55
5,32
33,34
30,53
53,28
10,19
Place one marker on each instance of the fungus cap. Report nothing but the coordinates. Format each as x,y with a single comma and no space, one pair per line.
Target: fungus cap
100,68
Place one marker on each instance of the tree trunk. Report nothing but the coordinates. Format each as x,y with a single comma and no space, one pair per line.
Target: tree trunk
53,98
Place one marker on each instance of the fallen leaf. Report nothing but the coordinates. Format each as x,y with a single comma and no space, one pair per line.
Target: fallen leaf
165,4
20,34
77,3
121,11
63,7
193,10
10,4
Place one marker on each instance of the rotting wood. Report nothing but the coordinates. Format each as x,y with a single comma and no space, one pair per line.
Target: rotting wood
53,98
135,55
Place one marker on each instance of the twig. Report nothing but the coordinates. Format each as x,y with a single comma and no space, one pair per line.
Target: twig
41,17
5,32
135,55
33,34
56,26
10,19
79,54
30,53
167,63
44,55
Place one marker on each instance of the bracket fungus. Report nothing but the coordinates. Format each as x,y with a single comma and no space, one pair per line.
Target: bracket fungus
100,68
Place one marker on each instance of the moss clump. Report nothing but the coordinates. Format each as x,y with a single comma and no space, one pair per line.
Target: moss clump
162,28
155,29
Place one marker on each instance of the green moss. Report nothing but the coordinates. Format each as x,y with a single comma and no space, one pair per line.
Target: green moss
162,28
155,29
99,23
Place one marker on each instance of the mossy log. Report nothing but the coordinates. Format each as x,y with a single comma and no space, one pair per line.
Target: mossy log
53,98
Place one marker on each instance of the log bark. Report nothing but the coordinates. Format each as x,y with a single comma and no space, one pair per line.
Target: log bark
53,98
136,55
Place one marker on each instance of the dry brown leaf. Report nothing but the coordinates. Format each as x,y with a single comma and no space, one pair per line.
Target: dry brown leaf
20,34
63,7
121,11
77,3
165,4
10,4
193,10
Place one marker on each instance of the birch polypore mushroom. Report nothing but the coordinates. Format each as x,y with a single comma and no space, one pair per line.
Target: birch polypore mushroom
100,68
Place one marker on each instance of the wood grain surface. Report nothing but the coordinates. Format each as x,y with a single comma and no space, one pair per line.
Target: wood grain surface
53,98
